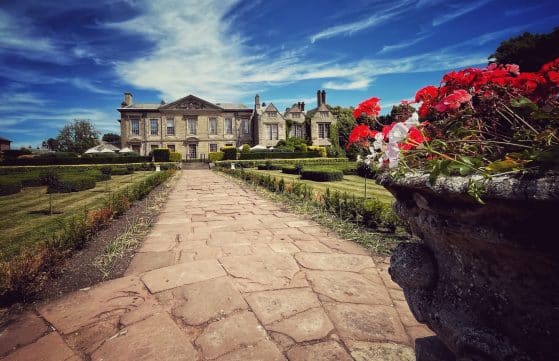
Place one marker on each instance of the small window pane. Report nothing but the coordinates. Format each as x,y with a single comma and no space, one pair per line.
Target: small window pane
213,147
213,126
135,126
170,126
154,126
192,126
228,126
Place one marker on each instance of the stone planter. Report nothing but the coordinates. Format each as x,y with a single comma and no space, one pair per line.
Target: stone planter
485,278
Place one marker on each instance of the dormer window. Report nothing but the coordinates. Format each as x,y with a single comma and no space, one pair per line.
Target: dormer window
272,114
296,115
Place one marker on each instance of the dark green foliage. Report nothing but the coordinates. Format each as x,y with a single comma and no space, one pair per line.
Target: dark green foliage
230,153
322,175
344,122
106,171
215,156
365,171
77,137
290,170
267,166
161,155
246,148
37,161
175,157
9,186
122,170
529,51
302,148
72,183
111,138
301,161
278,155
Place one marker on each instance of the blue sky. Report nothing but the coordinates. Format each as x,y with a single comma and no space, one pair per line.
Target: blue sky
61,60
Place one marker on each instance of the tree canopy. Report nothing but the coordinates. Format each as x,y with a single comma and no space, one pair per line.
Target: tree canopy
111,138
529,51
77,137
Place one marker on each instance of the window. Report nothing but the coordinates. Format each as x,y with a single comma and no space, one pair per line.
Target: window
298,130
272,131
135,126
192,125
153,147
213,147
244,126
171,147
228,126
323,130
272,114
324,115
136,148
213,126
170,126
229,144
296,115
154,126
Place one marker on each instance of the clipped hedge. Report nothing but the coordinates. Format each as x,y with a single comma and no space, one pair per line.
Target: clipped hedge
322,175
161,154
267,167
38,161
279,155
215,156
72,183
301,161
9,186
290,170
175,157
122,171
319,149
229,152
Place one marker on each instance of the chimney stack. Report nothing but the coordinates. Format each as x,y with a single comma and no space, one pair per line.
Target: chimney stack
127,99
257,102
324,97
302,106
318,98
299,105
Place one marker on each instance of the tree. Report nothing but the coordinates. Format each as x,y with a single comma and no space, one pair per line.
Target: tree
345,123
529,51
111,138
50,144
77,137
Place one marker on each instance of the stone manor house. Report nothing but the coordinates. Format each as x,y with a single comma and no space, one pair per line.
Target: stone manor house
194,127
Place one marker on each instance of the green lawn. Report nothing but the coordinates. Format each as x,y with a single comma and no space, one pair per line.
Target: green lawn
352,184
19,226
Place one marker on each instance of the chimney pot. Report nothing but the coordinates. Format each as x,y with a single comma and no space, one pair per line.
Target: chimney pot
302,106
257,101
127,99
318,98
323,96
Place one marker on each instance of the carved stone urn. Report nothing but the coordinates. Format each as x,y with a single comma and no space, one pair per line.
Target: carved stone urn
485,277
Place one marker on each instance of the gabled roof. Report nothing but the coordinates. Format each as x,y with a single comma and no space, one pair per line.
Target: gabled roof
142,106
232,106
294,109
191,102
323,108
271,108
5,139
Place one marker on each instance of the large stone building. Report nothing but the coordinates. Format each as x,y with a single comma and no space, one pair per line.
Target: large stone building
194,127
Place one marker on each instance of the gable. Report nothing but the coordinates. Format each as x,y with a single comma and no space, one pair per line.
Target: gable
191,102
271,108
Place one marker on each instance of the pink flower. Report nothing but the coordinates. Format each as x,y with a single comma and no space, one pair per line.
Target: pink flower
513,68
453,101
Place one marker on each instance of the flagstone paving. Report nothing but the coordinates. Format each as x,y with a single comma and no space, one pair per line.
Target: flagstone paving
226,274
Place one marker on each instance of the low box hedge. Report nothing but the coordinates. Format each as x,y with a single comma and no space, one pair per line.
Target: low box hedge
175,157
290,170
122,171
215,156
37,161
267,167
278,155
72,183
322,175
229,152
9,186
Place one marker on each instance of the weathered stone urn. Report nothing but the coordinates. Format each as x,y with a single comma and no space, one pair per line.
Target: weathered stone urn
484,278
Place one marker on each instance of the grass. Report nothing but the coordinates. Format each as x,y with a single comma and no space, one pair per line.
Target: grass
21,221
353,185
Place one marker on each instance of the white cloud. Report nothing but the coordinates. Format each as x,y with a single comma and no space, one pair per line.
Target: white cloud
459,10
379,17
405,44
85,84
350,85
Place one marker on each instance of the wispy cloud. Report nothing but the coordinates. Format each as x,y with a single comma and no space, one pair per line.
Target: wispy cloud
86,84
375,19
348,85
405,44
458,11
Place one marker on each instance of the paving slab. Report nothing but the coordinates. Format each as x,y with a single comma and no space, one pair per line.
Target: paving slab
21,331
334,261
367,351
309,325
185,273
323,351
48,348
156,338
148,261
264,350
230,334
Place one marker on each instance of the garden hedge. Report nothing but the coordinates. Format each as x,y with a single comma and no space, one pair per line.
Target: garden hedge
229,153
161,154
175,157
37,161
302,161
267,167
279,155
9,186
72,183
290,170
322,175
215,156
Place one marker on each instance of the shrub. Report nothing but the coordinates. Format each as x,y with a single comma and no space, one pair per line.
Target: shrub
122,171
9,186
161,155
267,166
278,155
365,171
322,175
175,157
215,156
229,153
72,183
302,148
246,148
321,150
290,170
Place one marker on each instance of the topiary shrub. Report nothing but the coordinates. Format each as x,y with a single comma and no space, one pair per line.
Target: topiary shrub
301,148
229,153
319,149
215,156
161,155
175,157
9,186
246,148
322,175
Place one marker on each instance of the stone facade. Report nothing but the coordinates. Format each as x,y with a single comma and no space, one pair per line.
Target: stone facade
195,127
4,144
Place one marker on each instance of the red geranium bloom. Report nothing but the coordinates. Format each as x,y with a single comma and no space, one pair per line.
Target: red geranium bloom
528,82
554,77
453,101
360,134
370,107
415,138
426,94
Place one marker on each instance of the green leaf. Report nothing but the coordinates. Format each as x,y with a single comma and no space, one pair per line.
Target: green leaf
523,102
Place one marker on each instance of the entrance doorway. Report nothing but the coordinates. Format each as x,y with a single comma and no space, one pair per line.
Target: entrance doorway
192,151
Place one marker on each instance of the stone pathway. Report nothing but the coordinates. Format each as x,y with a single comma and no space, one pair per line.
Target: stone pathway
228,275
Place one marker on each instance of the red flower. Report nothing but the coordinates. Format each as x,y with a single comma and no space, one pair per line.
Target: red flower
360,134
453,101
370,107
554,77
513,68
426,94
415,138
528,82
